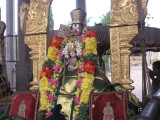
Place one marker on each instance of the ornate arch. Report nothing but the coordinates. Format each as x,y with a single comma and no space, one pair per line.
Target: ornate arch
124,21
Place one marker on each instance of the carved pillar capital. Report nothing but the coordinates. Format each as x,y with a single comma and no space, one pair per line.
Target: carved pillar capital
38,45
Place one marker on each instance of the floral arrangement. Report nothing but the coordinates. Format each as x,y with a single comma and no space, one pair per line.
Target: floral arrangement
78,48
50,75
86,49
86,73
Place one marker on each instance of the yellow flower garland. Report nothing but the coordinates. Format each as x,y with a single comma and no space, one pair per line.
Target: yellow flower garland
90,46
44,86
43,83
52,53
85,89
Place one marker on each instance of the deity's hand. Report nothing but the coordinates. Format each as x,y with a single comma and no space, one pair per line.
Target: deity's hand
72,63
70,67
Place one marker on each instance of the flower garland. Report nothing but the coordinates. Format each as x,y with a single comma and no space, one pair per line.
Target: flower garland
87,45
78,48
86,71
50,75
84,85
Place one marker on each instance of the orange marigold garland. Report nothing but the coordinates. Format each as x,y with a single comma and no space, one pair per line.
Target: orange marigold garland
89,67
56,42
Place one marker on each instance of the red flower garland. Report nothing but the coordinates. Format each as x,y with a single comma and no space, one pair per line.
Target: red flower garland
56,42
46,71
89,67
92,33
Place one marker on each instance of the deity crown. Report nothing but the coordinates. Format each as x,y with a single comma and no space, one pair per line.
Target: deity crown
78,16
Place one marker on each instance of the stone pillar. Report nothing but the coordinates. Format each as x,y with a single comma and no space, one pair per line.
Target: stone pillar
0,14
9,30
81,4
23,64
10,43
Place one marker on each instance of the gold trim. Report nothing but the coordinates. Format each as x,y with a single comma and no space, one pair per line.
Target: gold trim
120,51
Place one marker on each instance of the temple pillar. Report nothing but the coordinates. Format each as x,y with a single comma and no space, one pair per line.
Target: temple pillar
10,41
120,52
36,34
0,14
23,64
124,27
82,5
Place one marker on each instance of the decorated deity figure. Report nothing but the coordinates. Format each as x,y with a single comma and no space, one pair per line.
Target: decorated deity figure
22,109
72,60
71,73
108,112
